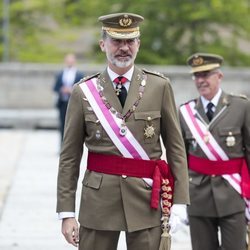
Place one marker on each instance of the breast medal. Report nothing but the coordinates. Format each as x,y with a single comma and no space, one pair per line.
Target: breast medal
230,140
98,134
149,130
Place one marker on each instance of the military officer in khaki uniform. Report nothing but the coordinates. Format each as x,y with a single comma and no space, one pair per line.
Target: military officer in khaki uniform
121,114
216,130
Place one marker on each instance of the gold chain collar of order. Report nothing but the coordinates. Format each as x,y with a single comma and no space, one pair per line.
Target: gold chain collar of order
123,128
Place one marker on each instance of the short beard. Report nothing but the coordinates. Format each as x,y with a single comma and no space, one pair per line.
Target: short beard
120,64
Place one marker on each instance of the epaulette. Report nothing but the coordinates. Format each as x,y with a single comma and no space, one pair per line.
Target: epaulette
192,100
86,78
239,95
155,73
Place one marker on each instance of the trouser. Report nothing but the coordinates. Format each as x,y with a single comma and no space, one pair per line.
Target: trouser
62,114
147,239
225,233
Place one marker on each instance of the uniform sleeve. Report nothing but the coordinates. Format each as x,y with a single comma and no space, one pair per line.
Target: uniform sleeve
71,154
175,148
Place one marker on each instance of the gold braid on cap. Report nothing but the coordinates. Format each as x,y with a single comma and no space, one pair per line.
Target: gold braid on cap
120,30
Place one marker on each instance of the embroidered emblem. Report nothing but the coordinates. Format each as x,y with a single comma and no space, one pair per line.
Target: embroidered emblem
198,61
125,21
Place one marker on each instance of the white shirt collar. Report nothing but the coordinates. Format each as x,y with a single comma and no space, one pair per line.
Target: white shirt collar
215,100
128,74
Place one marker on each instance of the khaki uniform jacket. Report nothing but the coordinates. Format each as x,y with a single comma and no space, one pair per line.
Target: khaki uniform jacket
110,202
213,196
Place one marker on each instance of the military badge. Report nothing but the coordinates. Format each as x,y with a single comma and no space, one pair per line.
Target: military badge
98,134
125,21
230,140
197,61
149,131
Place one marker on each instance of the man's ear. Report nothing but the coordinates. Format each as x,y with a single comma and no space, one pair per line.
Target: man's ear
221,76
101,44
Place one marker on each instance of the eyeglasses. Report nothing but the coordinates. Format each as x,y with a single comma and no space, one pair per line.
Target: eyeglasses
203,74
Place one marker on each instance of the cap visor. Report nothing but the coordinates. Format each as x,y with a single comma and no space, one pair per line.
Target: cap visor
205,68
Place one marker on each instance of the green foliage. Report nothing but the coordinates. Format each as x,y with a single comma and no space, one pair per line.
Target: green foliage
44,30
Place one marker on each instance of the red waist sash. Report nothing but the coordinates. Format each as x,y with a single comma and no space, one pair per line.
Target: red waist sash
232,166
158,170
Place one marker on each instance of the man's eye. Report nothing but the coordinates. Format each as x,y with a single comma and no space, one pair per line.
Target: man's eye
116,41
130,41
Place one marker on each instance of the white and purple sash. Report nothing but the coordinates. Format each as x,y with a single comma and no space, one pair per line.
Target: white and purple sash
127,144
210,147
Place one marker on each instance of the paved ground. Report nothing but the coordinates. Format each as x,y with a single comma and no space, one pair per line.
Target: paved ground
28,170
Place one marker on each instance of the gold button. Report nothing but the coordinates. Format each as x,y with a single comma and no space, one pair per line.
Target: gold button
124,176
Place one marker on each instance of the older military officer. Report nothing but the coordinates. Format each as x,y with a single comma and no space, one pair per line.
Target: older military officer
216,129
120,114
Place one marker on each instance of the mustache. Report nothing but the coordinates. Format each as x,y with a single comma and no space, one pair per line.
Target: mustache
123,54
201,84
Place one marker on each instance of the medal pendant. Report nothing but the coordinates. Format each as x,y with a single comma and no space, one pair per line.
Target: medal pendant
123,130
149,131
98,134
230,141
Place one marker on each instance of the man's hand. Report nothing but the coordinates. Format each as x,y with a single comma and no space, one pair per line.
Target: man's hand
66,90
70,231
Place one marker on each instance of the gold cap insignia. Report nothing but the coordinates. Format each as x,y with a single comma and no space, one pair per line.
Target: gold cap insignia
204,62
125,21
198,61
121,25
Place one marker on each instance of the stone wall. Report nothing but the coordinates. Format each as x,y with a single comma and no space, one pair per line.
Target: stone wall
27,99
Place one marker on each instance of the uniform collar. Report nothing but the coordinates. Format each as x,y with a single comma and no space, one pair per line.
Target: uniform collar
215,100
113,75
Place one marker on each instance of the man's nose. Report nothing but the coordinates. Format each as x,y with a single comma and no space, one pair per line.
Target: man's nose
124,44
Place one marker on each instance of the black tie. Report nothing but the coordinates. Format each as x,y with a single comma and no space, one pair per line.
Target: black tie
120,89
210,111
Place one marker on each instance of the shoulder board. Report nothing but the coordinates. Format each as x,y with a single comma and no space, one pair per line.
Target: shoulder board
192,100
239,95
155,73
86,78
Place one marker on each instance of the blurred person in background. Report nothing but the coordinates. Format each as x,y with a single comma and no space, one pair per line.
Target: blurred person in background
63,86
121,114
216,130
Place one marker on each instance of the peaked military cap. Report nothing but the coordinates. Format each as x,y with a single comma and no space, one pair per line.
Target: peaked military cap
121,25
204,62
